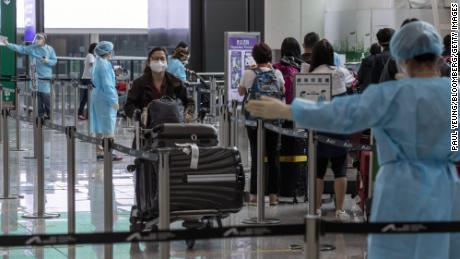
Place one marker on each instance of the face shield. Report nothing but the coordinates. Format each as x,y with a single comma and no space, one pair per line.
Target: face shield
39,39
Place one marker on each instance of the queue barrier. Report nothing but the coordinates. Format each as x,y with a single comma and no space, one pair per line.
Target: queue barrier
161,157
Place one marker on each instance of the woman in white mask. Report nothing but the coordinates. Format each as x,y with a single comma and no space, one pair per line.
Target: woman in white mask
155,83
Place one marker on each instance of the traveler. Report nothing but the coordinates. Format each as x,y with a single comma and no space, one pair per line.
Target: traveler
86,80
178,60
391,70
43,57
155,83
383,36
104,97
365,70
446,54
417,179
289,65
309,42
262,55
322,62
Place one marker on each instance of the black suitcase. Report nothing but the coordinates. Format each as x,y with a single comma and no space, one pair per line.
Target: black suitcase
170,134
215,188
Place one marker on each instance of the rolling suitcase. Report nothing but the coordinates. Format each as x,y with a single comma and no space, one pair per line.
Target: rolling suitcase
170,134
214,188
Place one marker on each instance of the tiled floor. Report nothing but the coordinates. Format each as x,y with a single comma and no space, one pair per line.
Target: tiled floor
89,198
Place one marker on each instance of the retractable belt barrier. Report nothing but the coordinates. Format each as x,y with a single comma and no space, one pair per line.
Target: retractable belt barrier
300,133
325,227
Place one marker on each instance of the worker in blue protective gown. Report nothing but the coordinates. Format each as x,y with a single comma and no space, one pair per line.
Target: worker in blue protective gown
410,118
43,57
104,97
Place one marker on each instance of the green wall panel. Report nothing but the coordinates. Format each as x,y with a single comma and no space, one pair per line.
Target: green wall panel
8,57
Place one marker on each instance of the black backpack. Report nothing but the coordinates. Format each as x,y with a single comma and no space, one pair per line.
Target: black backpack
164,110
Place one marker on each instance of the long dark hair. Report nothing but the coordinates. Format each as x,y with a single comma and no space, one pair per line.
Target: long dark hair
147,69
323,54
91,48
290,48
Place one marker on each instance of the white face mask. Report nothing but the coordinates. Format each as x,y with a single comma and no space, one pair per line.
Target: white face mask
158,66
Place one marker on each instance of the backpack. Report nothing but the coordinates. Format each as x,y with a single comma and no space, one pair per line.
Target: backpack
265,84
163,110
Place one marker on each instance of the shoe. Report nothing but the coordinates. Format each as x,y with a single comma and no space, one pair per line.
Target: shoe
273,200
318,212
116,158
342,215
81,117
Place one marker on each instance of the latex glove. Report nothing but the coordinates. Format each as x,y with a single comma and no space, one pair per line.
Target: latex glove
115,106
5,41
269,108
188,118
45,60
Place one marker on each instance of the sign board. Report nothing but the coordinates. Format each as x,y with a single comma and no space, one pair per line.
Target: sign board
313,87
238,58
29,20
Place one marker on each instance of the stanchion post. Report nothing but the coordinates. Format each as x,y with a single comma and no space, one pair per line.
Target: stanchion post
53,100
88,115
164,200
312,223
71,178
260,219
108,193
311,173
18,121
76,105
6,159
40,179
1,109
62,105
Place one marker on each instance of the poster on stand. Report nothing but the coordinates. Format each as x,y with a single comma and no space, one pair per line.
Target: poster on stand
313,87
238,58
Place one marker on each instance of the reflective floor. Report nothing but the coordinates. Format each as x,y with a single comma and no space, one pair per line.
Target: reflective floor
89,204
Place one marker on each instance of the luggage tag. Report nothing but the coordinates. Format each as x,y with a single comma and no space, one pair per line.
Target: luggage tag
192,150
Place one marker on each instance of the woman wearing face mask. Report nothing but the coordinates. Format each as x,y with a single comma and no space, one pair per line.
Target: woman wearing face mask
155,83
104,98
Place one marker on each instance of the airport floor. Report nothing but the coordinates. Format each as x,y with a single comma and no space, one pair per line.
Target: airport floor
89,198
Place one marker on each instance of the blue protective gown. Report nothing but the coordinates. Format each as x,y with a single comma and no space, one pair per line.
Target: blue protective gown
417,180
36,54
176,68
103,97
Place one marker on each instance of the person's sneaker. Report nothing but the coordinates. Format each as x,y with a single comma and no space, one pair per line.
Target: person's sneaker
318,212
273,200
81,117
342,215
116,158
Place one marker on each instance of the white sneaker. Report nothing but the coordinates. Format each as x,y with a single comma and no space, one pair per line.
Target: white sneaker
318,212
342,215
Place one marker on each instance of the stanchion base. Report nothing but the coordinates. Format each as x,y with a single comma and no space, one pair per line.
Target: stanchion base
43,216
19,150
265,221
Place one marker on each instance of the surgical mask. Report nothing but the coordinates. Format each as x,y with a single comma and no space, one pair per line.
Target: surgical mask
158,66
39,42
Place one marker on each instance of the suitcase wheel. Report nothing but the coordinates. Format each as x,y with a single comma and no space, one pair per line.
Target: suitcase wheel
190,243
131,168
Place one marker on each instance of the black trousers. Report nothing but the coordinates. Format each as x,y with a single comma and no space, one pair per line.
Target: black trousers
272,152
84,95
43,103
